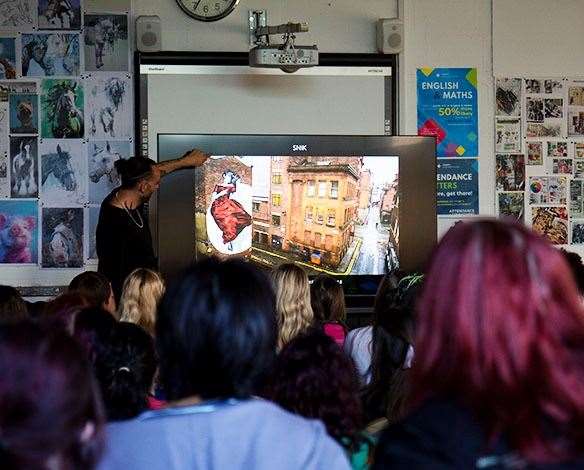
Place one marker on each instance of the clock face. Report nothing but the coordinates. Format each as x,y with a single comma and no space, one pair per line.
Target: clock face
207,10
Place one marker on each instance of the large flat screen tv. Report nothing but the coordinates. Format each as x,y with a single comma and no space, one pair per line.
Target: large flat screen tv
341,205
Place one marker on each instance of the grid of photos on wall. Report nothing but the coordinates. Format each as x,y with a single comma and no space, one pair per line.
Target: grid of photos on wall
539,148
65,118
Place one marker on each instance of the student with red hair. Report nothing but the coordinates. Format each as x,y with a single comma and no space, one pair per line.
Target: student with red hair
498,379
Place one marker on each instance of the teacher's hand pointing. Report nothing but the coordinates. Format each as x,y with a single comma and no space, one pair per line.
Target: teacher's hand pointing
194,158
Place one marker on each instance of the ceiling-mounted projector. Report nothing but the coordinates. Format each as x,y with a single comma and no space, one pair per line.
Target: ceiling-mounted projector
286,56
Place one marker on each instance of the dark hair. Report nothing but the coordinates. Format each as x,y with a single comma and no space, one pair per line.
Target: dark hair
125,368
91,328
501,330
61,311
216,331
385,394
12,306
36,309
133,170
48,397
327,299
575,264
315,379
94,286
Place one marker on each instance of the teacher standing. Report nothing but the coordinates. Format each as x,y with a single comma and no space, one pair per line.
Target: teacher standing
123,237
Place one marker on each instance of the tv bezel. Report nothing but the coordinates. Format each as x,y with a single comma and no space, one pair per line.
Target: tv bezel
417,188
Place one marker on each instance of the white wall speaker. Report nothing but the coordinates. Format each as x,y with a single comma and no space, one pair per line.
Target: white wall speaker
148,34
390,35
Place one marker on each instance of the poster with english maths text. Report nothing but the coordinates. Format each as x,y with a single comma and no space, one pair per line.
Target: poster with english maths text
448,109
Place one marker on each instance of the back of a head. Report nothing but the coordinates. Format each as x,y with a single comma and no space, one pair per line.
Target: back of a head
50,404
141,295
293,307
92,328
327,299
386,393
125,368
575,263
93,286
216,331
12,306
315,379
61,311
133,170
500,312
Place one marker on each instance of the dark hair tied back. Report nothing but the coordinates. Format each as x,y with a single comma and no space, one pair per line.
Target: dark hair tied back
133,170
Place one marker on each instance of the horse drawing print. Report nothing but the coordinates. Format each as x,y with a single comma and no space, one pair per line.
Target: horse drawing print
102,163
59,166
105,113
103,177
62,170
23,168
59,14
106,35
64,118
45,55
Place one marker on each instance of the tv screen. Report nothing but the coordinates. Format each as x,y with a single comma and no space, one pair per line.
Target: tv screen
335,214
340,205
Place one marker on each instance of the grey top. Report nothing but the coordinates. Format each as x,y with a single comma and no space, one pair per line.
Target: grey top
232,434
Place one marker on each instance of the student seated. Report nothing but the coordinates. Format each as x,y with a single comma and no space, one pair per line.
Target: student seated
96,289
125,366
293,307
12,306
50,414
141,295
498,378
216,337
328,304
315,379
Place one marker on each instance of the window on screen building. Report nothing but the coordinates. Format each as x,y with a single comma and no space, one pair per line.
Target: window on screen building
276,200
310,188
322,189
334,189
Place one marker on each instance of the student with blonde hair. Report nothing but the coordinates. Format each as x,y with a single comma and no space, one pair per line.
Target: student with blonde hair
141,294
293,307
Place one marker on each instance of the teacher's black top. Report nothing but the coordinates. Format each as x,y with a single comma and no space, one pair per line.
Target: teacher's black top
123,243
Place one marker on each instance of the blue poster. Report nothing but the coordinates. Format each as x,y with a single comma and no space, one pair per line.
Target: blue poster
457,186
448,110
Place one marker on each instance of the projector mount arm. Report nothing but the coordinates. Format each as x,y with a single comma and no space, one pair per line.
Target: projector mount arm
260,32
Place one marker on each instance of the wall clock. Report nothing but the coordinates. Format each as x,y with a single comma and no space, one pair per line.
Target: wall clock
207,10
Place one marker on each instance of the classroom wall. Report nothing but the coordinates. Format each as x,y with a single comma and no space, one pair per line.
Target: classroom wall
335,25
451,33
498,37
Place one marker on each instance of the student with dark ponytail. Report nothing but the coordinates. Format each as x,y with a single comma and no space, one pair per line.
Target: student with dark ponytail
125,365
123,237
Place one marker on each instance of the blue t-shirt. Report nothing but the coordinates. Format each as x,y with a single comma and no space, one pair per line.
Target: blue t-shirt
250,434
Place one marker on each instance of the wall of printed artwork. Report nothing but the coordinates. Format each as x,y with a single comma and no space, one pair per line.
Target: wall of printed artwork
539,147
65,117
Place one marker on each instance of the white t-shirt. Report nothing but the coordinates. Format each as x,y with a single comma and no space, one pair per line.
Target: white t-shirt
359,346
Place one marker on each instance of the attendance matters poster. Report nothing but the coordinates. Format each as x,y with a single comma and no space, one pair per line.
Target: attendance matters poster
448,109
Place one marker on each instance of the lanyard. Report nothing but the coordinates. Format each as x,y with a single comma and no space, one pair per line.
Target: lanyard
207,407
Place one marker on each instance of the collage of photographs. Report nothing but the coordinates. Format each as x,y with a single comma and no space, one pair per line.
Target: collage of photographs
539,128
65,119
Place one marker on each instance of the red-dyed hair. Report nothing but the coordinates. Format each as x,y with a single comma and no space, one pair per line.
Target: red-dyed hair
501,329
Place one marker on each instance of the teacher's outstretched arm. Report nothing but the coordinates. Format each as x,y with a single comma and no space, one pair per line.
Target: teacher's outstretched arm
191,159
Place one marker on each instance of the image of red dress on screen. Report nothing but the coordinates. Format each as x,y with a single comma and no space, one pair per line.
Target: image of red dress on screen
229,214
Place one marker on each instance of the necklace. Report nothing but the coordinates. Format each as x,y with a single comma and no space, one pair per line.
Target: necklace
140,222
